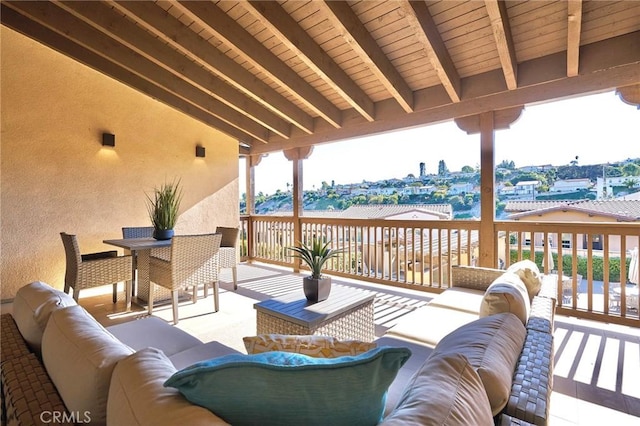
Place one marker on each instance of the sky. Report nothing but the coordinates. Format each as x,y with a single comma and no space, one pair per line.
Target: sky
597,128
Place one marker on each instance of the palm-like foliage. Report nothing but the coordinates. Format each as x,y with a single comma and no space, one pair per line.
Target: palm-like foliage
164,204
315,255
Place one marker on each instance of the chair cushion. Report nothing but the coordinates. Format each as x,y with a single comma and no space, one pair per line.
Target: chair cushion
492,345
506,294
276,388
79,355
229,236
137,396
32,307
315,346
100,255
530,275
446,390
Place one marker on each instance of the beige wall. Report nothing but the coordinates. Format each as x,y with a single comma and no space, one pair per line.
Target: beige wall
573,216
55,176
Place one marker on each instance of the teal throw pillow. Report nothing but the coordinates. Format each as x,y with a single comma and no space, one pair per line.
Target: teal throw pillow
284,388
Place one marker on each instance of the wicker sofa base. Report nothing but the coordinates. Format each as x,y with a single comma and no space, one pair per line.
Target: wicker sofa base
29,397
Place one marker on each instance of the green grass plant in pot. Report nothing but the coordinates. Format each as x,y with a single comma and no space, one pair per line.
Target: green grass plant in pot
163,206
315,255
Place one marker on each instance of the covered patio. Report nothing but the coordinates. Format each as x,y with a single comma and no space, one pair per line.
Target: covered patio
241,78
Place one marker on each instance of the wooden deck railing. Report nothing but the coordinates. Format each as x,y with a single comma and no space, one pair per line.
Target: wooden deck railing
590,260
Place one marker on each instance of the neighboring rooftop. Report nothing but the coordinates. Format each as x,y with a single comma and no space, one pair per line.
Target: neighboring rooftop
619,210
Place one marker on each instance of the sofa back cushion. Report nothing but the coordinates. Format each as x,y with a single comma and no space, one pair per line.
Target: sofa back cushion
446,390
506,294
530,275
32,307
79,355
492,345
137,395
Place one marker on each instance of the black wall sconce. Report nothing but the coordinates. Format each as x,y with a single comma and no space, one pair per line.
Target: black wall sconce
200,153
108,139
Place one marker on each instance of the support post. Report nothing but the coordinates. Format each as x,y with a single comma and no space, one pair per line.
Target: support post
250,191
296,155
487,195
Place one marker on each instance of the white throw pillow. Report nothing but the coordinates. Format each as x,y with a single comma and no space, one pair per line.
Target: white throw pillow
506,294
530,275
79,355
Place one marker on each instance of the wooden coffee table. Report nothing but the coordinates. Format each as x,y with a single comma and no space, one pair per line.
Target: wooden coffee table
347,315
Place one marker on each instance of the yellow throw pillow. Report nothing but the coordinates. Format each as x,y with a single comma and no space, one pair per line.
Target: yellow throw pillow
314,346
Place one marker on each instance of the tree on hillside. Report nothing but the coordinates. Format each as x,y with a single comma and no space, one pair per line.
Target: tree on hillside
467,169
507,165
574,162
631,169
630,183
529,176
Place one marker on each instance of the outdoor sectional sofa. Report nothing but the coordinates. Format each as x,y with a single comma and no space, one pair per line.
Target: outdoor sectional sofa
59,365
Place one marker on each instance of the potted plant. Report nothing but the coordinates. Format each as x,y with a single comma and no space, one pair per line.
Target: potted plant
317,286
163,206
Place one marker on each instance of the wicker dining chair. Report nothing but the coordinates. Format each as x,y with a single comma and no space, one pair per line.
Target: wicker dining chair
194,261
137,232
93,269
229,255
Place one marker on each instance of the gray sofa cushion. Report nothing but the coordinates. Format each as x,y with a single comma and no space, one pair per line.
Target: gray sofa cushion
32,307
492,345
79,355
137,395
446,390
156,333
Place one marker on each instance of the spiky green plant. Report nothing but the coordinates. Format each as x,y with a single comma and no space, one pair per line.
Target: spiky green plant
315,255
163,205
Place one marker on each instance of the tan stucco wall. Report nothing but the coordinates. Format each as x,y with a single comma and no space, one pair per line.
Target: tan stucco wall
573,216
55,176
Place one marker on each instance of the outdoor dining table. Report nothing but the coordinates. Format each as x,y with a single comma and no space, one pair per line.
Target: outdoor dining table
141,251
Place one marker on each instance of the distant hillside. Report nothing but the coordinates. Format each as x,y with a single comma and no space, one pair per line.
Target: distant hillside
459,189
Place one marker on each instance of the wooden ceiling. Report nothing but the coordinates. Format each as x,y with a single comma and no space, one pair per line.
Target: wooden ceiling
282,74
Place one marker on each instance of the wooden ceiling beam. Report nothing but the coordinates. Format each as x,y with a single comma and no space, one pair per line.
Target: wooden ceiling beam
171,31
103,18
58,20
574,27
419,19
497,11
15,20
288,31
541,80
249,49
360,40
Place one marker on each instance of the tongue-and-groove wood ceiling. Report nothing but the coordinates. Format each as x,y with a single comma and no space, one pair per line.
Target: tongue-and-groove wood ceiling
282,74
